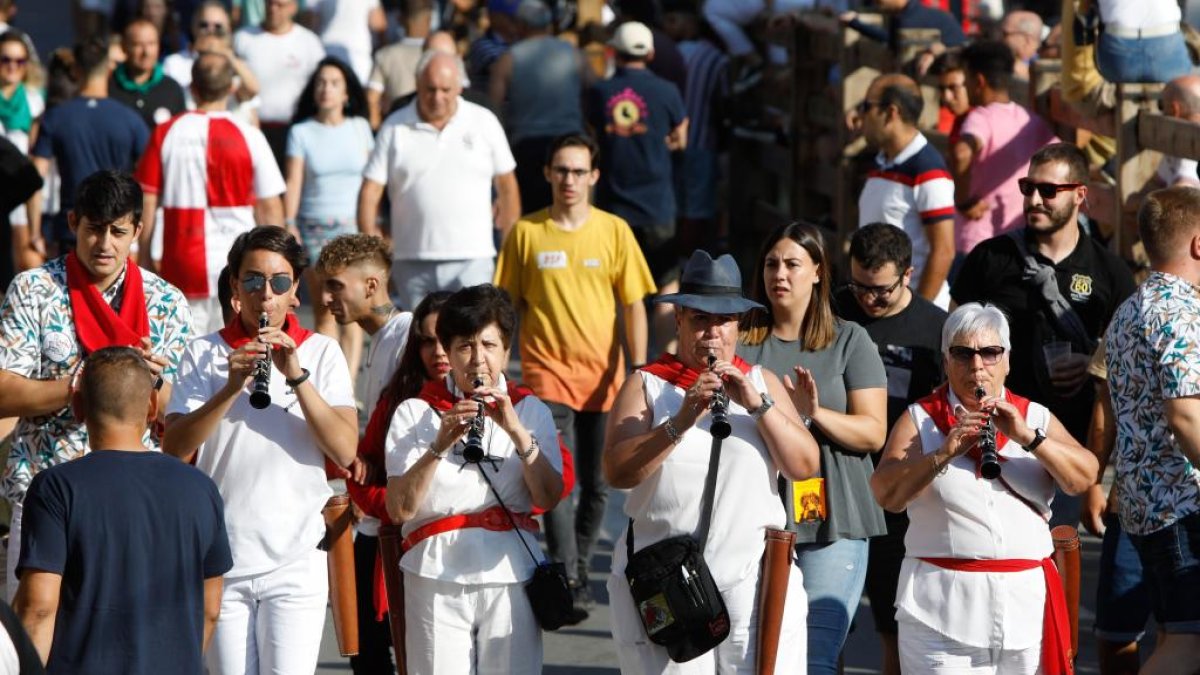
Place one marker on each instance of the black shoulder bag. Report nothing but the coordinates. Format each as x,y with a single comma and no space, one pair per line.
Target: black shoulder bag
673,591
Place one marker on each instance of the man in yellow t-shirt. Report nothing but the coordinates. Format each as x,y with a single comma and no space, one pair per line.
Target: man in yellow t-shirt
567,268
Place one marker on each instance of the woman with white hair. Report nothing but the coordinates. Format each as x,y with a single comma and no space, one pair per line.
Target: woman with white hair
978,592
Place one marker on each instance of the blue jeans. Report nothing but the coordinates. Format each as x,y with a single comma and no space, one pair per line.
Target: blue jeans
1122,599
1157,59
833,579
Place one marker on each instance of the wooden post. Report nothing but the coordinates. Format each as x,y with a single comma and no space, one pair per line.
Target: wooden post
1135,164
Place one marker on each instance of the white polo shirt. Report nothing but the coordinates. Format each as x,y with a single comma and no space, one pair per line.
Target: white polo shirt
440,183
282,64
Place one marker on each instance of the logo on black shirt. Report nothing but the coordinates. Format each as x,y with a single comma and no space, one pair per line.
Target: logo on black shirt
1081,287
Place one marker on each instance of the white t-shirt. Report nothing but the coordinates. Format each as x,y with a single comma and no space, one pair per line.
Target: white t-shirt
440,183
266,463
345,31
1173,170
282,64
1145,14
961,516
376,371
469,555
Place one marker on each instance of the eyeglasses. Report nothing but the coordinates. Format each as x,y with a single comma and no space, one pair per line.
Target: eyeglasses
874,291
867,105
214,27
254,283
1046,190
562,172
989,355
9,60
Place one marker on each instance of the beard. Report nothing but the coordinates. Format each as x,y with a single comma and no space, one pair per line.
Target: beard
1059,218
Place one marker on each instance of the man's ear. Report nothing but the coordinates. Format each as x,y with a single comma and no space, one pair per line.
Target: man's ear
72,222
152,413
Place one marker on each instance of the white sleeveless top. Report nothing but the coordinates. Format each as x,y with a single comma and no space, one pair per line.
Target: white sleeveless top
746,502
961,516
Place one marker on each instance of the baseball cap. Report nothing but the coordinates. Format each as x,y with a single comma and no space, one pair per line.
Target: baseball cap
506,7
633,38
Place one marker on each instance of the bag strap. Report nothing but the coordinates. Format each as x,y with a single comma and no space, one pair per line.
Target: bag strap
1043,278
706,500
508,513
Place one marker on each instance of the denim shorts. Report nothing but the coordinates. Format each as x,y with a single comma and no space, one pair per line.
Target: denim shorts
1122,598
1171,560
1156,59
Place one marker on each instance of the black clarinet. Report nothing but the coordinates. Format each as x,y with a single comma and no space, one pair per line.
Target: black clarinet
989,465
260,396
720,409
473,449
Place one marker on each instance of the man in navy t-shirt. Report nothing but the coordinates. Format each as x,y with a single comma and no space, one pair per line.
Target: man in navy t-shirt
86,134
123,550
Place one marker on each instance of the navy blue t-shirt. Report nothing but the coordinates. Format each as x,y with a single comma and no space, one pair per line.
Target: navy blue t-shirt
134,535
632,113
86,135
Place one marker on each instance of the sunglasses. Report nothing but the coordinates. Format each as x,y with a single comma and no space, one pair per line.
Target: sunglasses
990,355
874,291
1046,190
254,283
9,60
214,27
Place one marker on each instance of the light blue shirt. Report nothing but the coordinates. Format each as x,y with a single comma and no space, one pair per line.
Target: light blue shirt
334,157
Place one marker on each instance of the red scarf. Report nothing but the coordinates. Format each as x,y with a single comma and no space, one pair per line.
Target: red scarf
668,367
937,406
96,324
234,333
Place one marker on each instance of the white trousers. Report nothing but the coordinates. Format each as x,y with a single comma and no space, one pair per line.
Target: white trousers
455,629
736,655
924,650
14,552
271,623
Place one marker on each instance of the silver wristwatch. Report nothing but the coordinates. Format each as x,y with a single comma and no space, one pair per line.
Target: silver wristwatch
767,403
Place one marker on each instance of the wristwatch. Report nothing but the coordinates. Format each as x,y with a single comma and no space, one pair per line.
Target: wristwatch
761,410
1038,436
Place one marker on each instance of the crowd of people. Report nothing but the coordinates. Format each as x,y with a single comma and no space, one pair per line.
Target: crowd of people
513,244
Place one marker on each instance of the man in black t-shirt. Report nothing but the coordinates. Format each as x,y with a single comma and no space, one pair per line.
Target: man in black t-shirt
140,83
1091,283
907,330
122,550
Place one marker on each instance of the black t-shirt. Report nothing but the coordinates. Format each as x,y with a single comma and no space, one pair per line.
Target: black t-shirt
134,535
910,345
155,105
1093,280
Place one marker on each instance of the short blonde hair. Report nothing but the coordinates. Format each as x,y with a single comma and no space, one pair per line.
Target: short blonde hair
354,249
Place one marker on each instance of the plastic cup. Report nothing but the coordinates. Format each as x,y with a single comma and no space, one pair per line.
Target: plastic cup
1056,352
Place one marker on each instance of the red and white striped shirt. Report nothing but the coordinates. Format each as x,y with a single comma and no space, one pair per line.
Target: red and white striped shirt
208,170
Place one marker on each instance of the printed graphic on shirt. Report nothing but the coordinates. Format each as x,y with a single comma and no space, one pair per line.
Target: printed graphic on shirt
1081,287
627,113
552,260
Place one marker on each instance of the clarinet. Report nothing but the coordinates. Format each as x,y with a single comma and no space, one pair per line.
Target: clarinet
473,449
720,409
989,466
260,396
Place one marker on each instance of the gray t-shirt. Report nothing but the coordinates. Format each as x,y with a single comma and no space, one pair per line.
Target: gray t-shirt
850,362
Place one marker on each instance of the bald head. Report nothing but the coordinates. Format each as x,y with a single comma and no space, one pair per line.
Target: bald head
900,91
1022,33
440,41
1181,97
115,389
440,80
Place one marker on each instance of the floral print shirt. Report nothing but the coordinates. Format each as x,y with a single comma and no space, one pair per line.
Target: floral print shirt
38,341
1154,356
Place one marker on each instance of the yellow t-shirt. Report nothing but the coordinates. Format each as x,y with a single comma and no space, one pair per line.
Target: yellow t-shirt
566,285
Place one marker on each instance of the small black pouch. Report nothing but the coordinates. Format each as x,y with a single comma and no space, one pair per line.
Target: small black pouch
550,595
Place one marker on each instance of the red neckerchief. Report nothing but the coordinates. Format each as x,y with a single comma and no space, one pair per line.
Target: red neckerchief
234,333
96,324
937,406
438,395
668,367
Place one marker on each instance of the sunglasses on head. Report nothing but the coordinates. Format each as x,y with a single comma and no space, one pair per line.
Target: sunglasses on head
990,355
254,283
1046,190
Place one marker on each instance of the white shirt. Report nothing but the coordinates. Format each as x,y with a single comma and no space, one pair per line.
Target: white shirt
376,371
1172,170
667,503
440,183
1145,14
282,63
345,31
266,463
961,516
469,555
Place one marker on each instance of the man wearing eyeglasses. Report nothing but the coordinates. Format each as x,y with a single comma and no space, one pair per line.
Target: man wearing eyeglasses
1058,286
565,268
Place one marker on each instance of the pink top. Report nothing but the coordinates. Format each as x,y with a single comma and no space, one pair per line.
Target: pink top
1008,136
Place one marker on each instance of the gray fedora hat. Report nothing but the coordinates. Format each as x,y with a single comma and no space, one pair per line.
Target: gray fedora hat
713,286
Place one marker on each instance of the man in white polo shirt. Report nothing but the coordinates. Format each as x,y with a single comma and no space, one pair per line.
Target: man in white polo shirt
439,157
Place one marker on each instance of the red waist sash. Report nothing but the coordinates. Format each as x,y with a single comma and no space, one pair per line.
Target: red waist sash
492,519
1056,630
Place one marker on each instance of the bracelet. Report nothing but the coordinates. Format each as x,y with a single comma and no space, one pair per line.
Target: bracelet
438,455
938,470
299,380
533,447
672,432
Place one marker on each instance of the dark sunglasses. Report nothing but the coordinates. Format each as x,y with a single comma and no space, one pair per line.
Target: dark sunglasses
254,283
990,355
6,60
1046,190
873,291
214,27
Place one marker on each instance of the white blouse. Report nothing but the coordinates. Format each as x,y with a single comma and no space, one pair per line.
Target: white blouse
961,516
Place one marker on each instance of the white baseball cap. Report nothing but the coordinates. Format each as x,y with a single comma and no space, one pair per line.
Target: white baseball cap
633,38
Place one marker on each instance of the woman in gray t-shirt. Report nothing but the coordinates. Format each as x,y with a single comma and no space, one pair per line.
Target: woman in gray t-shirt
837,381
